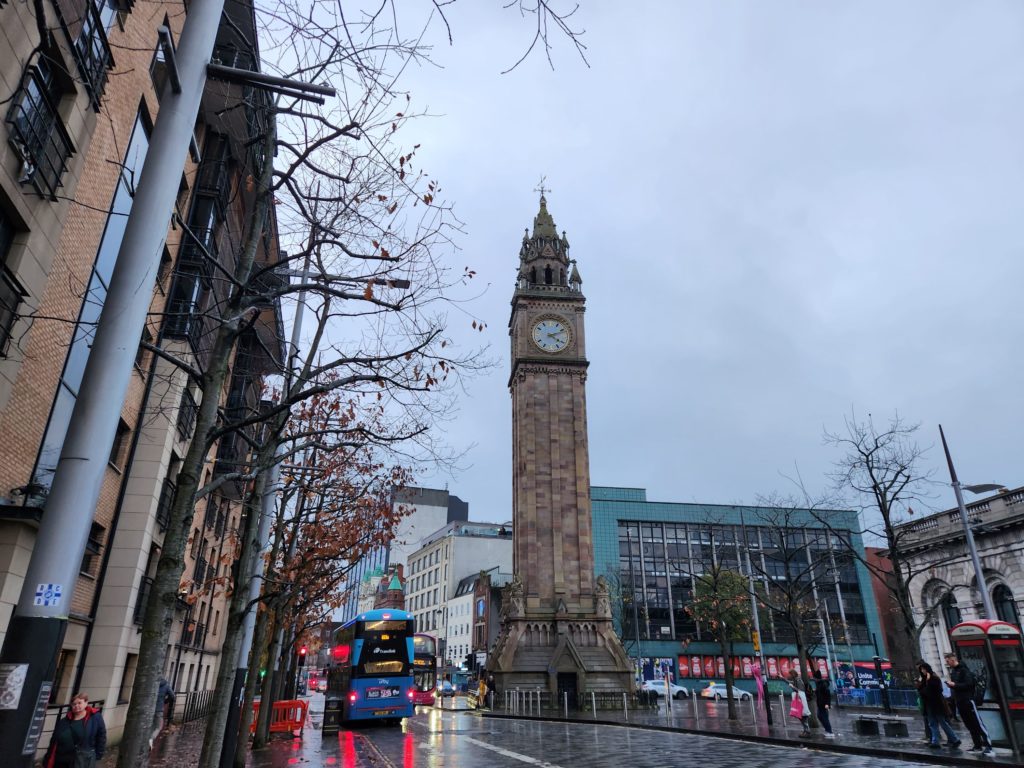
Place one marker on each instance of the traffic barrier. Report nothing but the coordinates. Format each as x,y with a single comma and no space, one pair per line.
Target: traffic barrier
285,717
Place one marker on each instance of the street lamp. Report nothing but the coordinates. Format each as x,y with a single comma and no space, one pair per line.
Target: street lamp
986,599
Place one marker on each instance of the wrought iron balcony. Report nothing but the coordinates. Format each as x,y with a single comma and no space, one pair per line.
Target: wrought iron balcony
163,509
37,133
141,599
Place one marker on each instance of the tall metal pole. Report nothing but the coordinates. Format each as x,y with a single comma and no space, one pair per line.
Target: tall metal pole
755,615
986,598
636,616
36,631
842,607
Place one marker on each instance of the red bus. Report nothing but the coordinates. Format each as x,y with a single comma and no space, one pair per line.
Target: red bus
424,666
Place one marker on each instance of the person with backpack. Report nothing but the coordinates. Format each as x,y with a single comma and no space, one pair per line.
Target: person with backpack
965,689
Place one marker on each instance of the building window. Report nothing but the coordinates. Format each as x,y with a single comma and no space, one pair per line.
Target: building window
36,131
1006,607
158,70
950,611
95,295
119,449
187,412
93,547
11,292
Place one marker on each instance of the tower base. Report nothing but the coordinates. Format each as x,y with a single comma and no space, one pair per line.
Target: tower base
560,655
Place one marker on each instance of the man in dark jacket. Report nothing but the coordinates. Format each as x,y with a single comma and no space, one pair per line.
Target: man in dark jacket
823,698
963,684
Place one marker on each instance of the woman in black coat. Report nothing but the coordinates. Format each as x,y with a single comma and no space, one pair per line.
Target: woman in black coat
82,731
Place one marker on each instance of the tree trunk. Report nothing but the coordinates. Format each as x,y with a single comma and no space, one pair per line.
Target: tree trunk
252,682
723,643
801,653
214,737
271,633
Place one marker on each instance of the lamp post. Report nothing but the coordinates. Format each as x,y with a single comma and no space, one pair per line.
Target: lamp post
755,617
986,599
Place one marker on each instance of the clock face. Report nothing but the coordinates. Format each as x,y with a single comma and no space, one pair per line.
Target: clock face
551,335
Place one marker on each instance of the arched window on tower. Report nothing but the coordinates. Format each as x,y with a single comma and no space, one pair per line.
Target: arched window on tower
547,275
533,274
950,612
561,277
1006,608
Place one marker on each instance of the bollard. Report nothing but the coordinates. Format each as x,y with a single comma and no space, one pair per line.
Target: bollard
593,704
753,711
782,710
696,711
625,707
565,697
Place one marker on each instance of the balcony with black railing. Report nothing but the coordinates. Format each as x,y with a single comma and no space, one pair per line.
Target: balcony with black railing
90,49
231,56
163,507
198,247
188,411
36,131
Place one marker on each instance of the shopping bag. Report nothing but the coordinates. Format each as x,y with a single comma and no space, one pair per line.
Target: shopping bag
796,709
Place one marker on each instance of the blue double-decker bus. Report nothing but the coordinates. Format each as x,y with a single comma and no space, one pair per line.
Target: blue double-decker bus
371,677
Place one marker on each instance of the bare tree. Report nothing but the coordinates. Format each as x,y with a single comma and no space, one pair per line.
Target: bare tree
881,473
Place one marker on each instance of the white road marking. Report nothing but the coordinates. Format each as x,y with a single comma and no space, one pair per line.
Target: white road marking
510,753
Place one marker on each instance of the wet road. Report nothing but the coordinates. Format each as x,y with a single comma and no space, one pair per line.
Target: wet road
437,738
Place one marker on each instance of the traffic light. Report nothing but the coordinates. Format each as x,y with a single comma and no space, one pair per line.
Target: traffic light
471,661
302,656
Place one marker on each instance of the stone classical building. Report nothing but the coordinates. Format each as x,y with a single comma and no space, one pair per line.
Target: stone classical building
557,631
945,587
81,81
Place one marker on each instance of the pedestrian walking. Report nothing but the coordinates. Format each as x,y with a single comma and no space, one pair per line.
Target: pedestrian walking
79,739
164,696
481,696
823,698
964,685
799,708
929,686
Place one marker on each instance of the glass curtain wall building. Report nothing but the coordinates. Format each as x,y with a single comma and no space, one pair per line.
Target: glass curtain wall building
652,552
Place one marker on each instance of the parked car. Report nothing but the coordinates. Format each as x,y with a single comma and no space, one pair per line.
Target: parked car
717,691
321,686
446,689
657,688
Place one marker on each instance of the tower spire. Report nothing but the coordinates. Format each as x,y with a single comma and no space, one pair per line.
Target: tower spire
544,256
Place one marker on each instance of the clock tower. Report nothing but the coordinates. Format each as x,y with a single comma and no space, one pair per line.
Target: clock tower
557,631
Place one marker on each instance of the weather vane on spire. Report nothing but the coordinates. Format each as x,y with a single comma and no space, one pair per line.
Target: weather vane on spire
541,188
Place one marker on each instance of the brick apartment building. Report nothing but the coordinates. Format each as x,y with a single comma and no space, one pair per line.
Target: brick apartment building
81,88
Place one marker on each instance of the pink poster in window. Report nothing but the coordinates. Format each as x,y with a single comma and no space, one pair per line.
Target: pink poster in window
748,666
709,666
773,666
784,666
721,666
695,666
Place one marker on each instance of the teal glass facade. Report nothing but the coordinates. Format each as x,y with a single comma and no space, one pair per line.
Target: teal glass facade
654,550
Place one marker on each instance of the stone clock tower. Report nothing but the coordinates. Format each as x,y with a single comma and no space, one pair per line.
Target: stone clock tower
557,630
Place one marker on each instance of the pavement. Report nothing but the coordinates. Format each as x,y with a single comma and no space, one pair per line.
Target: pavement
721,742
711,718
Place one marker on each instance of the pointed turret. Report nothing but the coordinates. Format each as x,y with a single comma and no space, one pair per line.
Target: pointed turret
544,255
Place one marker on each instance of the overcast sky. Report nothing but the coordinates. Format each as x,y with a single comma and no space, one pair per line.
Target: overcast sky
781,211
